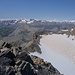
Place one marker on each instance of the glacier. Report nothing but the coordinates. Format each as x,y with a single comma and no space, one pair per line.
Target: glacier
60,51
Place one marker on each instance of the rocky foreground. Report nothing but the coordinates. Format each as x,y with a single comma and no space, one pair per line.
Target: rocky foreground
23,38
16,61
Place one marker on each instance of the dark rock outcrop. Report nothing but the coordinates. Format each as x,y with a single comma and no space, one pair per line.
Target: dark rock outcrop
15,61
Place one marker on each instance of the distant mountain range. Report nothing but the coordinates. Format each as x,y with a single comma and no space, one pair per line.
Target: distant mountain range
23,36
19,31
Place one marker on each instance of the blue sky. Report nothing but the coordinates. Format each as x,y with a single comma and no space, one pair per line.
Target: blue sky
39,9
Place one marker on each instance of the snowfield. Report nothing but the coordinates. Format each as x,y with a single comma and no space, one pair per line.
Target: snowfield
60,51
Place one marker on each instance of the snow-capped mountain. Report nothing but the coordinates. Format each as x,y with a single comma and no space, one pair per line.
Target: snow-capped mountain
29,21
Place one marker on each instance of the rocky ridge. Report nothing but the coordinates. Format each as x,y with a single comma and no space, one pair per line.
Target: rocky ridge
25,38
18,61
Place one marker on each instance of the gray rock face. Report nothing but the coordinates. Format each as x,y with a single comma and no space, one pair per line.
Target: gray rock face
22,63
4,44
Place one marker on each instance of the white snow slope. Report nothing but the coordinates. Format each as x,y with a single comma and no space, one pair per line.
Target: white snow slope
60,51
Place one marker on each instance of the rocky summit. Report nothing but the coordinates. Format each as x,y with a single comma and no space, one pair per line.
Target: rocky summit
15,61
18,38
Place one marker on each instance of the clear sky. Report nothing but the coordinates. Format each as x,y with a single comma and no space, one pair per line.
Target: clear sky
39,9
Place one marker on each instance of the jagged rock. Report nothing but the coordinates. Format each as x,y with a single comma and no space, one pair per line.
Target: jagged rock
24,68
24,56
4,49
37,60
16,61
5,61
10,55
15,51
1,43
27,70
10,71
18,73
5,44
44,68
7,58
